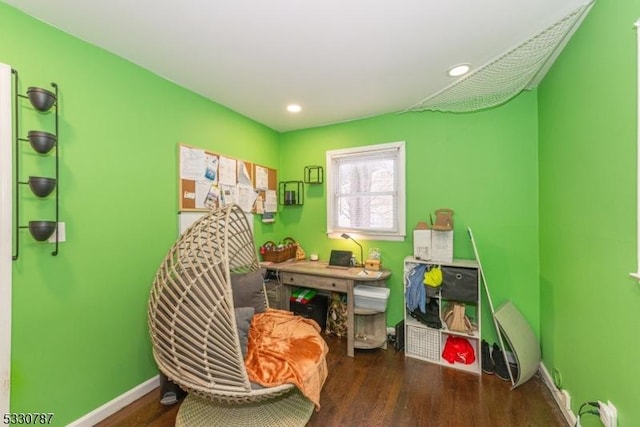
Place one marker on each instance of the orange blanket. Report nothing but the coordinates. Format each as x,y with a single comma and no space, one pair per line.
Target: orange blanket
284,348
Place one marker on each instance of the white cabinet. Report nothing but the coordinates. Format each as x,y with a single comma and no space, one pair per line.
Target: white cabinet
461,284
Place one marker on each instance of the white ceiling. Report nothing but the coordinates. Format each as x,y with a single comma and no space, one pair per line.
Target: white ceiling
340,59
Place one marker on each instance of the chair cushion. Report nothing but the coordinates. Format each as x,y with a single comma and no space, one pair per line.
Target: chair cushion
247,290
243,321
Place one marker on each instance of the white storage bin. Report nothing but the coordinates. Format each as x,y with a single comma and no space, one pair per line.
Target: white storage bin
442,246
371,297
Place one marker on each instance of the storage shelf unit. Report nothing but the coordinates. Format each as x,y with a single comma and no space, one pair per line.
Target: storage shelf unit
427,343
370,319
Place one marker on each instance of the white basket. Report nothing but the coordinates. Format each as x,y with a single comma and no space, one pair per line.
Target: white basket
423,343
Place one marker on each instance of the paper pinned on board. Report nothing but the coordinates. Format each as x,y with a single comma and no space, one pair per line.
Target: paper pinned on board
227,171
270,201
262,178
243,174
245,197
192,163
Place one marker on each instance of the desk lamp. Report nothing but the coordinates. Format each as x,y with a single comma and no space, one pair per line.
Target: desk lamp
346,236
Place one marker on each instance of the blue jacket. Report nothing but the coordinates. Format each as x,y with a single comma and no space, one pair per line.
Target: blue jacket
415,293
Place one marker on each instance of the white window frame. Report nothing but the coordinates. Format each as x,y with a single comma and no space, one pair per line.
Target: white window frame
399,233
6,231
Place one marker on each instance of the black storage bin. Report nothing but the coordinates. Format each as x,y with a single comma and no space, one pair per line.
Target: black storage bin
315,308
459,284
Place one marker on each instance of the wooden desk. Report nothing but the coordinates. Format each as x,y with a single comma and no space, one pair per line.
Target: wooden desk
316,275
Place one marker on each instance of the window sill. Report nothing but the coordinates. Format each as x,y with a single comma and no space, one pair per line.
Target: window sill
367,236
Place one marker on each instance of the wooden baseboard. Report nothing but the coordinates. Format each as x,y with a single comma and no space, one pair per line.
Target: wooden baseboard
113,406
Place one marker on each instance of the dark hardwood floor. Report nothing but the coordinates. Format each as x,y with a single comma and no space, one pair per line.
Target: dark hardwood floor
383,388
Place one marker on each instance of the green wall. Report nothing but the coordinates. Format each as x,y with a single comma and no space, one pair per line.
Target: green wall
588,303
483,165
79,334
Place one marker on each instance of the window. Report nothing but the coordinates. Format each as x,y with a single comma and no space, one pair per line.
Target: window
366,192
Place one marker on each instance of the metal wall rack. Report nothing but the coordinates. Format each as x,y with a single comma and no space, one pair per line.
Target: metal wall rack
42,143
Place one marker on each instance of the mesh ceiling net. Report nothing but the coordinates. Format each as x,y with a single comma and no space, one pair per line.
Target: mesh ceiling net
500,80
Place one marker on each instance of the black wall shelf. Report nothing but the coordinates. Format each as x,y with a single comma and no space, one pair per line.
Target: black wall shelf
313,175
291,193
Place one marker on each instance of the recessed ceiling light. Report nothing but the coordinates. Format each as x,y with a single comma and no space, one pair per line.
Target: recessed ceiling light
294,108
459,70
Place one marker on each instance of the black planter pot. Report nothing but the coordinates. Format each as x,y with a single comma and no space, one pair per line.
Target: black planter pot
41,99
42,230
42,142
41,186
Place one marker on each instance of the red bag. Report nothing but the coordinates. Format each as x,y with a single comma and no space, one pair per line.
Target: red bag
458,349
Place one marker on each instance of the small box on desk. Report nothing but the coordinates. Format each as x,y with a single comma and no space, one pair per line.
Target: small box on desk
373,264
314,308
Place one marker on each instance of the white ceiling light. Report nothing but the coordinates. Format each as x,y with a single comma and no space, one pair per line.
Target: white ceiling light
294,108
459,70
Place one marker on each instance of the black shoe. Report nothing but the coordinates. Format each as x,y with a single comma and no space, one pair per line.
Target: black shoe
502,369
487,363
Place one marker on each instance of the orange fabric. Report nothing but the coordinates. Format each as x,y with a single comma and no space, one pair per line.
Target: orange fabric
284,348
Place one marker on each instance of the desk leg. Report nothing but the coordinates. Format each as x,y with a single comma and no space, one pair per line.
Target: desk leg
286,291
350,321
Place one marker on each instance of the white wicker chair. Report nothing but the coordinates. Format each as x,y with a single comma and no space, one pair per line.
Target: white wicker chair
193,329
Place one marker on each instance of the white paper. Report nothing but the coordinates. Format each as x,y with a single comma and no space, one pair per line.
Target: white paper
270,201
245,197
259,205
211,168
262,178
202,189
227,195
192,163
243,174
212,200
227,171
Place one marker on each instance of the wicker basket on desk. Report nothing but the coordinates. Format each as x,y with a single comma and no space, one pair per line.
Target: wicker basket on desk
274,253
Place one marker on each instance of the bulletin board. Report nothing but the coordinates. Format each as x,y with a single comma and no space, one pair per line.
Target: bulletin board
208,180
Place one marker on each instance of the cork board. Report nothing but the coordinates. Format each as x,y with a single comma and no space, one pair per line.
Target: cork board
209,179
